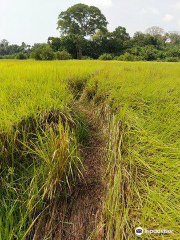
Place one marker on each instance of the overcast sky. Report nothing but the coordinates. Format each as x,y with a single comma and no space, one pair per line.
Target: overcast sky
35,20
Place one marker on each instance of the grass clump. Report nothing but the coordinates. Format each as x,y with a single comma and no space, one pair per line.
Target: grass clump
40,168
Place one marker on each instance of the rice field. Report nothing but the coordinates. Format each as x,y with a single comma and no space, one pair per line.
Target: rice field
41,131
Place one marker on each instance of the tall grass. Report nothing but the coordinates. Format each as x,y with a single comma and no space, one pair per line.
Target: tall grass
40,133
40,168
143,147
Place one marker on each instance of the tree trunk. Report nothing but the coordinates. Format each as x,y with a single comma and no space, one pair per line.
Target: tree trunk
79,54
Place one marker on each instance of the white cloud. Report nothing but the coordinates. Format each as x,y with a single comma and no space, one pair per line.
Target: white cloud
151,10
154,10
178,5
105,3
142,11
179,22
168,18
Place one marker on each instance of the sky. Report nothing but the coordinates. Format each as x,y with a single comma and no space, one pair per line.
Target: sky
33,21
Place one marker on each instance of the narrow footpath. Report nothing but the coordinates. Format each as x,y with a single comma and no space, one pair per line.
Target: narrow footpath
83,218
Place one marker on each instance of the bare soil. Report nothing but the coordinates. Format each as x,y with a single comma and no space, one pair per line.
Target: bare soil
82,216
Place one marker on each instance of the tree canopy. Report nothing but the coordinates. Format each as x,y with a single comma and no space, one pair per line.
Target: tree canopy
81,19
155,31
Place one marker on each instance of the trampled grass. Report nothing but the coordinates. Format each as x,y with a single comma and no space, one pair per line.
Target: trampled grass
144,186
39,141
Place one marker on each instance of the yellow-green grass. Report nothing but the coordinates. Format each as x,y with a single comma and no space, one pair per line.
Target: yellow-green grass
38,140
143,102
28,86
145,140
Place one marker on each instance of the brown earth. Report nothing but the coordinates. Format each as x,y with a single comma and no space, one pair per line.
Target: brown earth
83,218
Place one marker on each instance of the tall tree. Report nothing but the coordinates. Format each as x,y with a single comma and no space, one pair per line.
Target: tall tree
81,21
155,31
121,33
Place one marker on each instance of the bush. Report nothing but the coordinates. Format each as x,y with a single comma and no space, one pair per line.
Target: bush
172,59
129,57
87,58
36,54
7,57
106,57
116,58
43,53
64,55
21,56
149,53
173,53
47,53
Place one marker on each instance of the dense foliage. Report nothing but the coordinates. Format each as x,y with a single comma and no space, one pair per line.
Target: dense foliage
8,51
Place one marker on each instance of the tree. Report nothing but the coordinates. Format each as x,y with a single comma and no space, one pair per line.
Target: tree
4,43
121,34
138,39
81,21
149,53
174,37
121,39
55,43
173,51
155,31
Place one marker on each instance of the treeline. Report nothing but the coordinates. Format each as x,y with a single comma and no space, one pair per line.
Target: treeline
115,45
118,45
84,35
11,51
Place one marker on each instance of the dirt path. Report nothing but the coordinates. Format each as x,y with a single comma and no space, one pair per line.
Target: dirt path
83,217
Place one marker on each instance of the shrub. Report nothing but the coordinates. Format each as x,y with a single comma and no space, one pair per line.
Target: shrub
106,57
129,57
172,59
63,55
87,58
21,56
149,53
47,53
43,53
115,58
36,54
173,52
7,57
